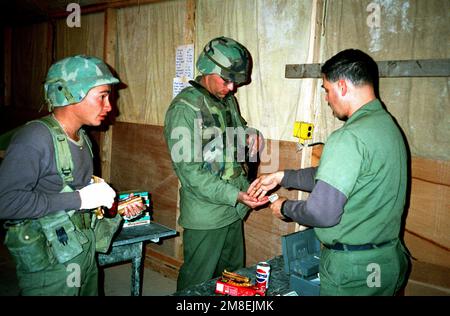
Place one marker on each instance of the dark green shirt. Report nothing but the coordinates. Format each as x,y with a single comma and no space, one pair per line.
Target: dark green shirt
366,160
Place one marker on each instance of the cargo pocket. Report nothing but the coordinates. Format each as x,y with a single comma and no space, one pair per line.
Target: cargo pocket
28,246
61,235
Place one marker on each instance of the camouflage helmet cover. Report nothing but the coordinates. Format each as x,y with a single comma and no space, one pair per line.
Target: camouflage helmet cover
227,58
70,79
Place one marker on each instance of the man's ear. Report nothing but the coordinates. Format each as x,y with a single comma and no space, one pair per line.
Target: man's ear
342,85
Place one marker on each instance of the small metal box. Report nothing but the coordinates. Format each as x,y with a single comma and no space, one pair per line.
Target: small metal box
301,254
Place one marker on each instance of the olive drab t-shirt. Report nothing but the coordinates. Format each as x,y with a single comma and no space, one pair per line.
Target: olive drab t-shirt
366,160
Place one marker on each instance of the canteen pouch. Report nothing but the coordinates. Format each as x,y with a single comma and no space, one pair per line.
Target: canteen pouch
104,231
28,246
62,236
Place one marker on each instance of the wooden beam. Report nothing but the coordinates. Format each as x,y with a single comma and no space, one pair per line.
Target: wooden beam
189,38
109,55
189,22
51,35
310,95
7,61
386,68
94,8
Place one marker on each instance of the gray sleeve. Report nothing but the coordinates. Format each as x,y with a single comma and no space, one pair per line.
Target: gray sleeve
29,184
323,208
301,179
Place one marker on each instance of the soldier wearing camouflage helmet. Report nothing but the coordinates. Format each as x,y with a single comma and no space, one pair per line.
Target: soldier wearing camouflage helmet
45,188
208,161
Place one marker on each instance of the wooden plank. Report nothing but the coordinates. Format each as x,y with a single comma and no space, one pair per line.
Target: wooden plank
140,160
111,4
189,22
162,263
431,274
433,171
428,221
310,87
109,53
7,62
189,38
427,252
299,71
51,33
387,68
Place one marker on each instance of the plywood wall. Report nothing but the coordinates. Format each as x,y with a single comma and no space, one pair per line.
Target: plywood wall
262,230
140,160
427,233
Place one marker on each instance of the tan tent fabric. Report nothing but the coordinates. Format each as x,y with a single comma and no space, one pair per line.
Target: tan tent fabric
148,36
413,29
86,39
276,33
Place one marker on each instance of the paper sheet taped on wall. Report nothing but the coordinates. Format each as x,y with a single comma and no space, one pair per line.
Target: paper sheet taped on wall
184,61
184,67
178,85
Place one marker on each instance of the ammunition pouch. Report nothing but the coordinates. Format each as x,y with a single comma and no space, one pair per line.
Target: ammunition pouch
28,246
64,239
104,231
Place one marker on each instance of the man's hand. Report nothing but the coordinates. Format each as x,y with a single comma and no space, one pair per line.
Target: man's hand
95,195
276,207
251,202
134,209
264,183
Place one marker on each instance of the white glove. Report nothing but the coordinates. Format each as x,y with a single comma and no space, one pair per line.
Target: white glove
97,194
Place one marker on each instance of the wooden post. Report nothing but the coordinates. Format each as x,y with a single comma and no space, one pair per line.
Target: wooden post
189,31
7,42
109,49
50,43
310,87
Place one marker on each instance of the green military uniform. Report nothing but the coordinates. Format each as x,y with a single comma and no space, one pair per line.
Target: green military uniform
365,160
196,132
52,241
78,276
55,253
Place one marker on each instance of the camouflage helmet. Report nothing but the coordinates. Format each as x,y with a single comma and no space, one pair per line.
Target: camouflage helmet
70,79
227,58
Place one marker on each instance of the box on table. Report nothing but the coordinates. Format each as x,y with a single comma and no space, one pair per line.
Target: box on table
145,218
301,254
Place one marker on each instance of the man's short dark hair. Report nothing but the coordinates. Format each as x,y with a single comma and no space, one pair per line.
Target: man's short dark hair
353,65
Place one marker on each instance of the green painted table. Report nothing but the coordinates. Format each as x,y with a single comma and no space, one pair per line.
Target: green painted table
129,245
278,281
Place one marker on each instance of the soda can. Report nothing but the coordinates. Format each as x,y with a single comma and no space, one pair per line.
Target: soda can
262,275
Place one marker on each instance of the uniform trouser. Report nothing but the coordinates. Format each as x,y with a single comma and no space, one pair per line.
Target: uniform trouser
379,271
208,252
78,276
